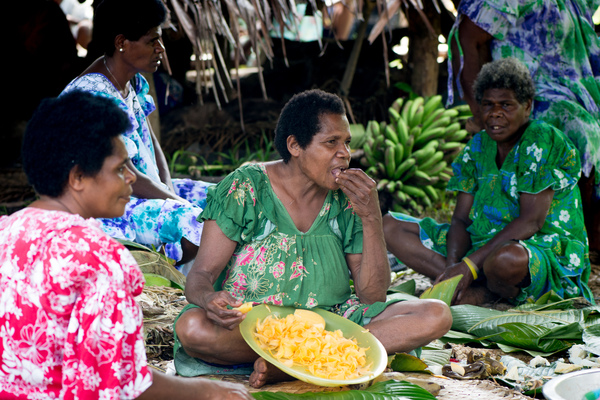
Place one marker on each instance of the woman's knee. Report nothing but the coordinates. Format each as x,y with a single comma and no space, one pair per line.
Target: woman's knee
437,317
390,226
394,230
508,264
190,330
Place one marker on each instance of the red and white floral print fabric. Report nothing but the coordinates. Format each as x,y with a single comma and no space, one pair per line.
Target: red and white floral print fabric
69,324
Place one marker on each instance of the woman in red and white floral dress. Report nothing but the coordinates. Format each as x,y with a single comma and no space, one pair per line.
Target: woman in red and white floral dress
69,324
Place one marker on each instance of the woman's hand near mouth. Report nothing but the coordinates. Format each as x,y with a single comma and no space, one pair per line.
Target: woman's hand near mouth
362,192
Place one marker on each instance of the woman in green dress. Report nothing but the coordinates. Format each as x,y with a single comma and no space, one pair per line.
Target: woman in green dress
517,229
293,232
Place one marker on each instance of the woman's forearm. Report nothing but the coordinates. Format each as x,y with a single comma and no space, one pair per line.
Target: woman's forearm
458,242
161,160
372,278
197,285
146,188
520,228
533,212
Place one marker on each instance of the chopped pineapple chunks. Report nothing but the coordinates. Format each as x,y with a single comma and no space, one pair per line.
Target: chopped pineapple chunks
244,308
311,317
301,339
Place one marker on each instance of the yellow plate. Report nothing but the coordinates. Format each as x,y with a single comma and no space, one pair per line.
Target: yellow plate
376,354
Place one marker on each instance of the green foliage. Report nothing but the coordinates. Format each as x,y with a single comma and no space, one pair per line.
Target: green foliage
159,280
221,163
443,291
542,328
403,362
410,155
386,390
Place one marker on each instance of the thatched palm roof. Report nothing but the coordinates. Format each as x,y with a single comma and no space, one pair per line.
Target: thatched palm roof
207,23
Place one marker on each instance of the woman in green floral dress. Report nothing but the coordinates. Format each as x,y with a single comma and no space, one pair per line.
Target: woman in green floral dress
557,42
518,224
293,232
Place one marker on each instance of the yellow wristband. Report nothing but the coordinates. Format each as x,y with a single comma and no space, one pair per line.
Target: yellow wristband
471,266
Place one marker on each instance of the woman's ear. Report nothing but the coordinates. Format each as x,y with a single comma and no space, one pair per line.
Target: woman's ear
119,43
76,178
528,107
293,146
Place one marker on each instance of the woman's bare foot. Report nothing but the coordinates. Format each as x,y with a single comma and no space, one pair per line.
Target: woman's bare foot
265,372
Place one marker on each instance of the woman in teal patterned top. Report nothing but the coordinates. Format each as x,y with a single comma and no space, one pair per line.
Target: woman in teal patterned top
518,222
293,232
557,42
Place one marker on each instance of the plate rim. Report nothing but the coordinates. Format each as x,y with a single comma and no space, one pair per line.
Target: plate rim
549,388
246,328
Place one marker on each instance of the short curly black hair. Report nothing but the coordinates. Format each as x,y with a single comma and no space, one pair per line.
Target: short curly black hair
76,128
131,18
300,117
505,73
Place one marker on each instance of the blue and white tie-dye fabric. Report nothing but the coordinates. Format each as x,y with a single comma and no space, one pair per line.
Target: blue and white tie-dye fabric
151,222
162,223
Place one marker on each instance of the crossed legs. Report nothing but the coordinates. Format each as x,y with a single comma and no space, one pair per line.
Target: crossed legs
506,268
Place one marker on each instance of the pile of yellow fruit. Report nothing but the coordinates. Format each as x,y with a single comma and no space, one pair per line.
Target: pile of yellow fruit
301,339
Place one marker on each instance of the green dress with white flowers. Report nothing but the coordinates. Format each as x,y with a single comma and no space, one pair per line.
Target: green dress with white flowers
274,262
543,158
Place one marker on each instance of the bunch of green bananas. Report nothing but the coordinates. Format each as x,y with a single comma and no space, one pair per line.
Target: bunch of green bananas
410,155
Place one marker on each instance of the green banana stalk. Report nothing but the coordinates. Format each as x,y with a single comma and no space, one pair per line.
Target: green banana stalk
457,136
397,104
423,154
434,115
413,191
399,153
431,104
390,133
437,168
452,128
434,159
390,161
449,146
422,178
405,110
430,134
431,192
382,183
415,113
391,186
394,115
402,131
410,155
403,167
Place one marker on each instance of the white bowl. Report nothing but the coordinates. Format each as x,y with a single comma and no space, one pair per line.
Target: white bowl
572,386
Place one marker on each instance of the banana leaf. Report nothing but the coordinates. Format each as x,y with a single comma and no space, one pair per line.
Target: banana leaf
543,332
408,287
566,332
519,336
482,322
403,362
439,357
159,280
443,291
153,263
386,390
457,337
591,338
548,301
